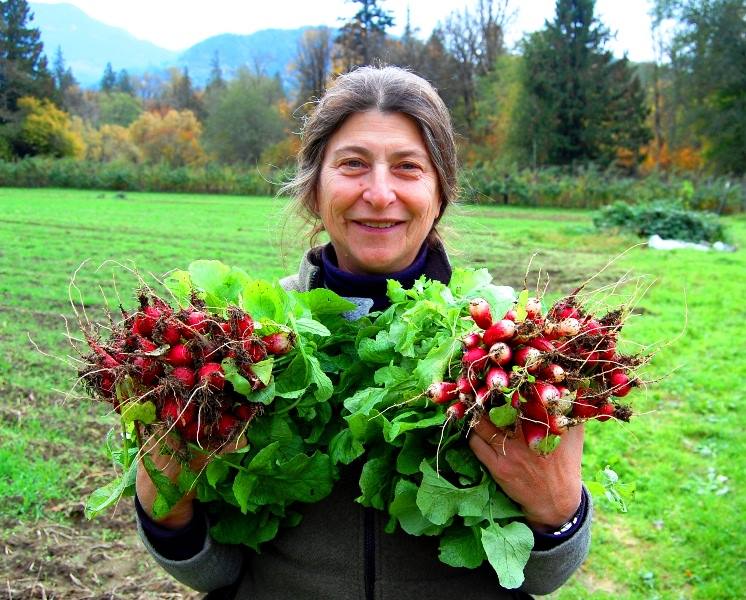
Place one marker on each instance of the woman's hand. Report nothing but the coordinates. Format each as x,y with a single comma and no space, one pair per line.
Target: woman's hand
183,511
548,488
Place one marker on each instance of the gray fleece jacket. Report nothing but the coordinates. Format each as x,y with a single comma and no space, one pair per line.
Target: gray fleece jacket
340,551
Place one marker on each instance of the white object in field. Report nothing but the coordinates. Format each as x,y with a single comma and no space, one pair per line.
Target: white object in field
656,242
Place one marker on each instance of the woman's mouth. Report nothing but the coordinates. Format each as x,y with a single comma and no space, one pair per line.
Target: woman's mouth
378,224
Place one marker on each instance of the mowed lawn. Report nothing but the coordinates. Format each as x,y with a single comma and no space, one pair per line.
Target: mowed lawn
683,536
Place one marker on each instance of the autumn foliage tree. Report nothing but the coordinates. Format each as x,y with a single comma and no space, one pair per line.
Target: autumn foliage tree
45,130
172,138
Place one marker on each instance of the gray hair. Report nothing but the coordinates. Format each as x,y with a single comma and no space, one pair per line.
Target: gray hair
388,90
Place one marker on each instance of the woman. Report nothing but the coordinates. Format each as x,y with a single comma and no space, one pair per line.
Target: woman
377,169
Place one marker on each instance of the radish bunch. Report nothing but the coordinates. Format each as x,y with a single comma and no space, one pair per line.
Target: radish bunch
175,360
544,372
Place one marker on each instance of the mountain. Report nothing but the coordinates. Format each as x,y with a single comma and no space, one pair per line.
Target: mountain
87,45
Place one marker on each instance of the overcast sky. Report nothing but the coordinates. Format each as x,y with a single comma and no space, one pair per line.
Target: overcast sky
178,24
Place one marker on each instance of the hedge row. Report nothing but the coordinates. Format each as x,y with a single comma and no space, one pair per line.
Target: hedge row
589,188
480,184
125,176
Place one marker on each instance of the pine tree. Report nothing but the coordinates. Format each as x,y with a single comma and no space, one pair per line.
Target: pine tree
363,38
63,76
109,80
215,82
579,98
23,65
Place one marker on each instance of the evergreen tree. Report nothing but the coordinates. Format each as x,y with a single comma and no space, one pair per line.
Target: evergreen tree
109,80
363,38
215,82
579,98
184,97
23,66
123,83
63,76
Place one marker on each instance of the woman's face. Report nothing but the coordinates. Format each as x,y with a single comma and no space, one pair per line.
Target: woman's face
377,194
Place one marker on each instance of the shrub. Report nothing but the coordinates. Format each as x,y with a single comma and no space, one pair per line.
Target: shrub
665,218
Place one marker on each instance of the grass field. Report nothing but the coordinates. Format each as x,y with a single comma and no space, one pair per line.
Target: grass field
683,536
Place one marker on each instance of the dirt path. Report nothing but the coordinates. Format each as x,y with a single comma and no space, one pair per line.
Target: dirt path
82,560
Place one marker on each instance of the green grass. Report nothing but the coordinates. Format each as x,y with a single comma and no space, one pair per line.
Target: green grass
684,534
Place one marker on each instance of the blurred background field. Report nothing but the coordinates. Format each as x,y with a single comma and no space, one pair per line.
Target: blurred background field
683,536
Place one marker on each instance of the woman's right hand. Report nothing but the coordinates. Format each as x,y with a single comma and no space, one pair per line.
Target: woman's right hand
182,512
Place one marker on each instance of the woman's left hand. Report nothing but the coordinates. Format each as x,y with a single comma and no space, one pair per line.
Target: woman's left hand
547,488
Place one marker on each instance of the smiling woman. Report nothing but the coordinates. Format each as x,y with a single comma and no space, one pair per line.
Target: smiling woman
377,194
376,170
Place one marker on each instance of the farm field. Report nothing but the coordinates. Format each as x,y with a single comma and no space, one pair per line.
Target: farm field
683,536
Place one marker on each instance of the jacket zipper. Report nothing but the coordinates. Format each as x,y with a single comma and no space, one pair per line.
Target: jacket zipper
369,552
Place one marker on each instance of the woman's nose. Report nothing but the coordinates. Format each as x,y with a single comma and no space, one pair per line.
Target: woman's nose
379,190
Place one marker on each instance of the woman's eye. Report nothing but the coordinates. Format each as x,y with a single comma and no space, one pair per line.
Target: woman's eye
408,166
353,163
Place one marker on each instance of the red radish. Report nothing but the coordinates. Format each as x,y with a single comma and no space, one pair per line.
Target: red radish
534,434
167,332
146,345
244,412
533,308
542,344
456,411
195,322
226,425
147,368
558,424
545,393
212,374
475,358
107,385
569,327
553,373
185,376
501,331
472,340
565,311
500,353
255,349
442,392
464,385
482,396
479,309
528,357
195,431
278,343
605,412
210,352
244,326
511,315
593,327
496,378
583,407
179,356
620,384
515,400
145,321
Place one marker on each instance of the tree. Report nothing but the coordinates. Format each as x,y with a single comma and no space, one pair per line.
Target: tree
313,63
23,65
173,138
182,95
708,62
46,130
363,37
215,82
475,40
124,83
576,93
246,119
109,79
63,76
118,108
